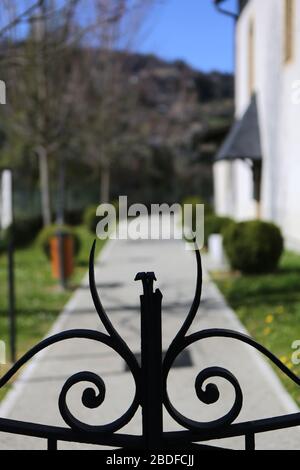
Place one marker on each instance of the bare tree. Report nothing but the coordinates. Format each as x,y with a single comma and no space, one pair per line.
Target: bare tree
49,91
122,21
40,71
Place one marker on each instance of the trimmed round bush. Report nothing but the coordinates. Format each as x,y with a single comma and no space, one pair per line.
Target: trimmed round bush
194,200
24,231
51,230
3,242
254,246
215,224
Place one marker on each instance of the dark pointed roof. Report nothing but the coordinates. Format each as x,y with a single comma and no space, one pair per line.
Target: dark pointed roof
243,140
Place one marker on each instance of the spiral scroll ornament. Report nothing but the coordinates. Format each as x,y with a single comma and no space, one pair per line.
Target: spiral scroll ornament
207,391
151,382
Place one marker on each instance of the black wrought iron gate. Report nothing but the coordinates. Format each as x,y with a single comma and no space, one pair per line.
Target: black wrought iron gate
151,389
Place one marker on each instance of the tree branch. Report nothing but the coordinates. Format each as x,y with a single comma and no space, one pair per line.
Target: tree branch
21,17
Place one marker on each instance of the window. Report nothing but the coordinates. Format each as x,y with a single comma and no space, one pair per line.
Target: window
251,58
289,30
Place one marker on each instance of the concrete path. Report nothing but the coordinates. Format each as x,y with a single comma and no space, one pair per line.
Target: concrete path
34,396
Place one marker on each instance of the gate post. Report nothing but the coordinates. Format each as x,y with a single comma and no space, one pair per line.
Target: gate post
151,362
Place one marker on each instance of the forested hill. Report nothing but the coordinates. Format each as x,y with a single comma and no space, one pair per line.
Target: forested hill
186,114
155,125
185,103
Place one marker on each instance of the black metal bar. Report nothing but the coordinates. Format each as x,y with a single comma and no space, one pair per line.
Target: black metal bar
250,441
52,444
235,430
151,358
56,433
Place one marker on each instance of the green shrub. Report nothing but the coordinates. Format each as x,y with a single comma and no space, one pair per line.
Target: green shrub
25,231
22,232
50,231
194,200
254,246
3,242
215,224
90,219
115,203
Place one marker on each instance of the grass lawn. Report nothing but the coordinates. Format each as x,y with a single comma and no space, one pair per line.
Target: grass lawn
269,307
38,298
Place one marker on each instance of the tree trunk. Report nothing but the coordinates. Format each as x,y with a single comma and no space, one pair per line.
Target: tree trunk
44,185
105,184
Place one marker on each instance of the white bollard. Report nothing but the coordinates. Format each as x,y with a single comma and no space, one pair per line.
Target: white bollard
2,92
6,216
216,250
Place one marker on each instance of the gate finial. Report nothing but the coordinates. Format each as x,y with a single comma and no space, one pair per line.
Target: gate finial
147,281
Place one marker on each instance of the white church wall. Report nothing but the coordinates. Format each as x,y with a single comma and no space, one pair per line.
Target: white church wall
275,83
223,188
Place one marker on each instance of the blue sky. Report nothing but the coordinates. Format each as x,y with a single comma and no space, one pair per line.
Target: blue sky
191,30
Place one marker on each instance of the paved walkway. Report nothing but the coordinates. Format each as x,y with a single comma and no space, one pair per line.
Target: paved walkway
34,397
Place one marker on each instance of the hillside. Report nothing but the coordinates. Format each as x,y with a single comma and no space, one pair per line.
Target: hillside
158,125
187,114
184,103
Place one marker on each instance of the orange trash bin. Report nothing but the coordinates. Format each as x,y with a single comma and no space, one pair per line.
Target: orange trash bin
62,244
